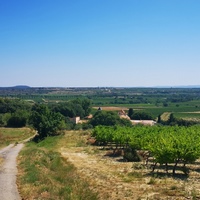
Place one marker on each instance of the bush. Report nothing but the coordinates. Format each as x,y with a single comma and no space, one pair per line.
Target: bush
131,155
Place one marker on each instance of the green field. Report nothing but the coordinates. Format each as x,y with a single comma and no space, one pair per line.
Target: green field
153,100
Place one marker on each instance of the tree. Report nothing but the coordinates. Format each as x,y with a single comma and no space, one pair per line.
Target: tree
2,123
125,122
86,105
139,115
46,122
172,120
105,118
12,105
159,119
130,112
73,108
18,119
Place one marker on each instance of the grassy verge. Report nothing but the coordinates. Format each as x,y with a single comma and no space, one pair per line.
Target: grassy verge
13,135
44,174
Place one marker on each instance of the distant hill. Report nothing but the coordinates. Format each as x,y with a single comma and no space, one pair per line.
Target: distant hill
179,86
21,87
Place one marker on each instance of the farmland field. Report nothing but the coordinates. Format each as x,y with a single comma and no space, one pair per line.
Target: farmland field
156,101
106,175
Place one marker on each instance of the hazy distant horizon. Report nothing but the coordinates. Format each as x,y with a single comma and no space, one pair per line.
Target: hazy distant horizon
108,43
169,86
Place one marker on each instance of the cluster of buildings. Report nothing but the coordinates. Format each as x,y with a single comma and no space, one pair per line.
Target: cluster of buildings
122,114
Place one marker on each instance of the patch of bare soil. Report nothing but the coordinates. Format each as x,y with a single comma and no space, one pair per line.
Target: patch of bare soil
1,161
114,179
112,108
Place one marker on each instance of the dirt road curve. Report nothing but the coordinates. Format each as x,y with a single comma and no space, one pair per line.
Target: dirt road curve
8,171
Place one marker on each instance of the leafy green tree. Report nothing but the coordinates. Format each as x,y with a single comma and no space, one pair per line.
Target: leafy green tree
141,116
86,105
159,119
46,122
78,110
124,122
18,119
73,108
65,109
12,105
165,104
2,120
172,120
105,118
130,112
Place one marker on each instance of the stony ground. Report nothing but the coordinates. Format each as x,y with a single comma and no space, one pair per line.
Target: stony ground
114,179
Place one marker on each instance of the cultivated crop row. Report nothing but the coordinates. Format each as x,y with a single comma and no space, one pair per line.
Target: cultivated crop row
168,145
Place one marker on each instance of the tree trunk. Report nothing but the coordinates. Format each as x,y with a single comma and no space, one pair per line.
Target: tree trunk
154,166
174,168
166,167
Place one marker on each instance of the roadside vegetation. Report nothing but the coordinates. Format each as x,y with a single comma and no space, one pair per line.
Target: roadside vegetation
45,174
14,135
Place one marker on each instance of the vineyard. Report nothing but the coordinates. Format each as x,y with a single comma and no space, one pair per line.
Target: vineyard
169,146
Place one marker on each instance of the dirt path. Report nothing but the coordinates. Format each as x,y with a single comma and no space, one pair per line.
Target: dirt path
8,171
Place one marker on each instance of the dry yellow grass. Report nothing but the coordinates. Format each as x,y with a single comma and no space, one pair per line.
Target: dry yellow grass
165,116
113,179
13,135
107,176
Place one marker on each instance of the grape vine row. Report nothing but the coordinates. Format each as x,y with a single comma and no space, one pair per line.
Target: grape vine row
167,144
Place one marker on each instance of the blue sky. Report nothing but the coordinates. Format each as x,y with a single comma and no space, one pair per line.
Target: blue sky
90,43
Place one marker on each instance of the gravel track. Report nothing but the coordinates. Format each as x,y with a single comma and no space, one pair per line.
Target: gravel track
8,172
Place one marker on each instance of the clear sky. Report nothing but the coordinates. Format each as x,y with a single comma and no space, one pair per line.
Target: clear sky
82,43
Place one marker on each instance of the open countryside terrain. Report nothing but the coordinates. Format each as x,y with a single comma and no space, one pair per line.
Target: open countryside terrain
156,101
68,167
108,177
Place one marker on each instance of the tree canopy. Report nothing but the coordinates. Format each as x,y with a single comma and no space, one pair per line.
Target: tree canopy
77,107
139,115
108,119
45,121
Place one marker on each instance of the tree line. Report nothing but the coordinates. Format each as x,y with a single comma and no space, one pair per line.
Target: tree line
47,119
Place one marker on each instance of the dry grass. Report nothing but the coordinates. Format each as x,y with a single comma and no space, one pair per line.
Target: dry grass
44,174
93,170
165,116
113,179
14,135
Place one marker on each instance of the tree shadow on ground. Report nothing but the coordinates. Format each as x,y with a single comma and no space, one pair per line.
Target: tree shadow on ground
160,172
